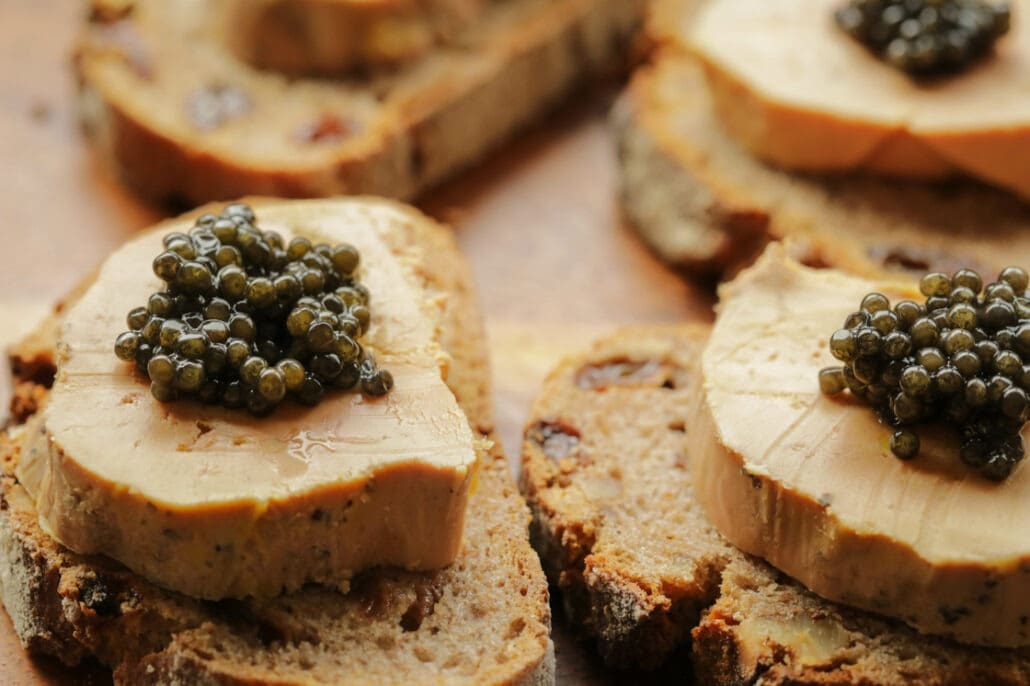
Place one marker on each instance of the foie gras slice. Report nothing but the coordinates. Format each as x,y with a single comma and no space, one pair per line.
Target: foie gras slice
809,483
798,91
215,503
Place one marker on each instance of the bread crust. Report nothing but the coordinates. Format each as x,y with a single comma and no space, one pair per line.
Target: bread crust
411,129
394,626
703,203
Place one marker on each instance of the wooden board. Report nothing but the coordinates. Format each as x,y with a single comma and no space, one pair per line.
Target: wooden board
539,222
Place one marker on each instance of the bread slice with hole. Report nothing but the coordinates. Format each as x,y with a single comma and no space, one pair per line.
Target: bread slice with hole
705,204
606,471
180,117
484,619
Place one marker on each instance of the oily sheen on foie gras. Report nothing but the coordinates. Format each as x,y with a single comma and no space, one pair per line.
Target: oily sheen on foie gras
215,503
809,483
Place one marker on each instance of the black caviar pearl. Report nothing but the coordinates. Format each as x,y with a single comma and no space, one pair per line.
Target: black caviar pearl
1007,363
986,350
164,393
237,351
311,391
915,380
272,384
949,380
232,283
166,266
260,292
352,297
161,370
233,395
300,320
904,444
216,358
831,380
867,369
906,408
1000,291
1014,403
193,277
345,259
152,331
298,248
379,382
884,321
364,317
935,284
962,295
218,308
968,278
242,326
189,375
1016,278
996,387
313,281
320,337
967,363
908,312
349,376
931,358
293,373
183,247
137,318
126,345
250,370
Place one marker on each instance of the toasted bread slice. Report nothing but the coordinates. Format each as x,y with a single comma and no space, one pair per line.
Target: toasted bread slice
483,620
182,118
606,473
704,203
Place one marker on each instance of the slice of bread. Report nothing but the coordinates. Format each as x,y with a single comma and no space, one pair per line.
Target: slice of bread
703,203
483,620
332,36
182,118
606,473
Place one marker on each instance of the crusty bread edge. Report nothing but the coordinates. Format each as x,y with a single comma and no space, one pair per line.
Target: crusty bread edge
29,584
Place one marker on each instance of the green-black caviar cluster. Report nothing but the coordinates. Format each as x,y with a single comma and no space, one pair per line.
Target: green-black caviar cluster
247,321
926,37
959,357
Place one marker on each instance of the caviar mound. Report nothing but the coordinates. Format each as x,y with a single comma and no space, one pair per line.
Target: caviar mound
958,357
926,38
246,320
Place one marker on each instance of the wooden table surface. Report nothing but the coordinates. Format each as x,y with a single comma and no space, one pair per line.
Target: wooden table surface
539,222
